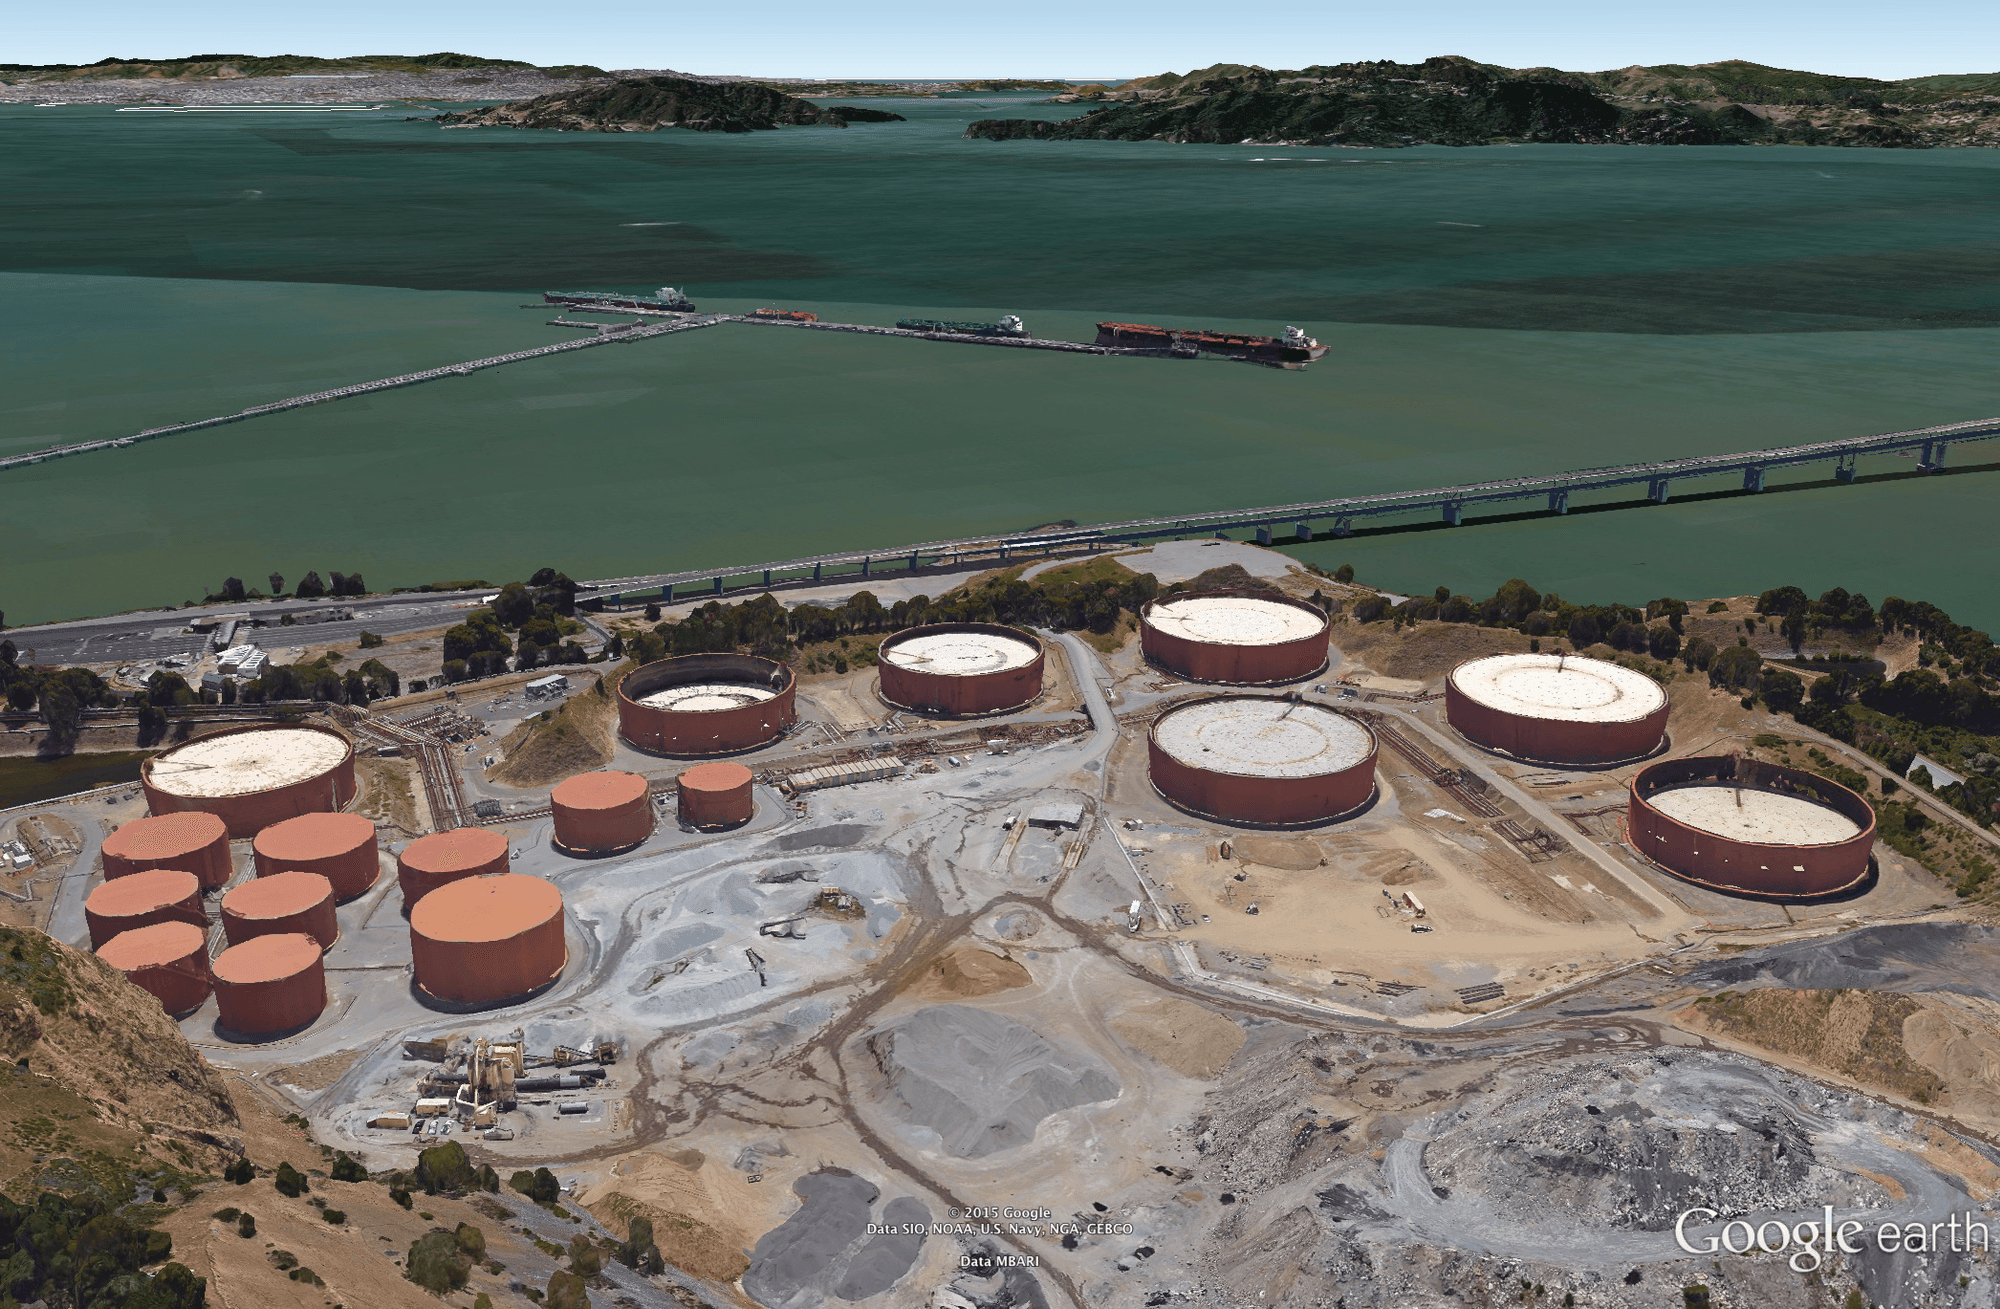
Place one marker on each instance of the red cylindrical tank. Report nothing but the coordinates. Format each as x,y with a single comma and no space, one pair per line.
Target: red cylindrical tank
430,861
486,939
1261,761
157,895
195,842
270,984
961,668
1817,836
716,795
339,847
168,959
596,812
279,904
706,704
1243,638
1557,709
253,776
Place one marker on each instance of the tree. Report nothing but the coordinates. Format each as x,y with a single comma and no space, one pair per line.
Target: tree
290,1181
540,1186
1781,690
346,1168
437,1263
1584,631
638,1251
585,1259
8,653
1794,628
1344,574
277,581
652,612
355,586
369,640
232,589
311,588
1515,600
566,1291
1442,594
337,583
62,714
1736,668
1662,642
514,605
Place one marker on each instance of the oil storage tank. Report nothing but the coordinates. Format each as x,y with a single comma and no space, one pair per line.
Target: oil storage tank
961,668
282,903
195,842
600,812
1751,828
483,940
251,777
706,704
1557,709
1262,760
168,959
339,847
1242,638
157,895
270,984
715,795
431,861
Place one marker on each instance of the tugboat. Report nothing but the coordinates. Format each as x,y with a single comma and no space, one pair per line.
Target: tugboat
666,300
1292,350
1010,325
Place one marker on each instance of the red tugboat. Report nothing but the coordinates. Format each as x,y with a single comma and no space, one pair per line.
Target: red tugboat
1292,350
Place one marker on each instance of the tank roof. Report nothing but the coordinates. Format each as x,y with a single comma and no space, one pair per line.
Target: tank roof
150,947
314,836
603,790
166,835
1234,620
454,850
716,777
959,653
497,907
705,697
278,896
243,763
1565,688
154,888
266,959
1255,736
1744,813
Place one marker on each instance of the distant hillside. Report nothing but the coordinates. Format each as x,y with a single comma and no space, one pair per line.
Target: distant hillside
1455,101
225,66
647,104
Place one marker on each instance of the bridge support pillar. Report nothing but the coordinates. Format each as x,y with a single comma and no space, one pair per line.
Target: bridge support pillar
1931,460
913,561
718,586
1843,469
667,593
865,561
1454,511
1264,534
1559,502
767,578
1753,478
1343,527
815,572
1222,536
1656,490
1304,531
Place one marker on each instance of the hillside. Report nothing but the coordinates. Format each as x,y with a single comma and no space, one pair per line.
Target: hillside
1455,101
647,104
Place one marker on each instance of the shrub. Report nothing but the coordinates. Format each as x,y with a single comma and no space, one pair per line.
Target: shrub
444,1169
346,1169
290,1181
400,1196
585,1259
471,1240
540,1186
334,1216
437,1264
637,1251
566,1292
240,1172
246,1226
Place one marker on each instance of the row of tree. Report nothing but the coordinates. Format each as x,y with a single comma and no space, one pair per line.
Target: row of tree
310,588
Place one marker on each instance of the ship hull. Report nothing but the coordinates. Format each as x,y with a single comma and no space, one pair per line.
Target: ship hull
1270,350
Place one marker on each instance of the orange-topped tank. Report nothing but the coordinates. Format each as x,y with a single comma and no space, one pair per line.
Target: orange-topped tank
285,902
480,940
339,847
157,895
168,959
596,812
270,984
196,842
431,861
715,795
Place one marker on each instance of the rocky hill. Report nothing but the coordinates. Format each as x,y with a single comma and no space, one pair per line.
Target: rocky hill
647,104
1455,101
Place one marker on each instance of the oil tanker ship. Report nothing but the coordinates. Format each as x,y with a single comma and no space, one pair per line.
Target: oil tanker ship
1292,350
1010,325
667,300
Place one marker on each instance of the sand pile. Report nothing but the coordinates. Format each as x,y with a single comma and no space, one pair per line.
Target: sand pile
967,972
695,1224
1293,854
1187,1038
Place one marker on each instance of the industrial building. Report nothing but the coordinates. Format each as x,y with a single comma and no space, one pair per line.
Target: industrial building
1557,709
339,847
1262,761
431,861
283,903
1751,828
1241,638
961,668
547,688
157,895
484,940
715,795
596,813
169,960
706,704
270,985
252,777
195,842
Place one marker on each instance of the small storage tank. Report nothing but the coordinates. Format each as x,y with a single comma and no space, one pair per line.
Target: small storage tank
1751,828
600,812
195,842
270,984
430,861
251,777
482,940
339,847
1244,638
1557,709
706,704
961,668
168,959
281,903
1262,761
716,795
157,895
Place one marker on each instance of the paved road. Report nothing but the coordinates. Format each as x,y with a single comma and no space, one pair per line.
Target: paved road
151,634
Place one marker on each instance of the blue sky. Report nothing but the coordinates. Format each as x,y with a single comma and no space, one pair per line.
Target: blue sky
1074,38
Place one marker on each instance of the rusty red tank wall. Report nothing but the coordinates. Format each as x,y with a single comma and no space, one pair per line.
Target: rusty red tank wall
1553,740
282,903
716,795
431,861
270,984
339,847
601,811
487,939
250,814
1758,869
1261,801
168,959
977,693
155,895
706,732
1236,665
195,842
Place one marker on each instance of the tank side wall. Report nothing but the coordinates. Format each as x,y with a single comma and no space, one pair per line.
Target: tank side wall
105,926
486,971
179,987
351,872
1761,869
1262,800
257,1008
1553,740
983,693
247,815
420,882
714,732
317,921
211,864
604,829
712,808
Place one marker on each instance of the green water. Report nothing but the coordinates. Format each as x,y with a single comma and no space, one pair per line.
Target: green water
30,781
1490,312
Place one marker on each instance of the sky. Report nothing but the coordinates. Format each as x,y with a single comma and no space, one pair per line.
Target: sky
1033,38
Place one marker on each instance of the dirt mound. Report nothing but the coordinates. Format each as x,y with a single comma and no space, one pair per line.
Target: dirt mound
575,737
967,972
1191,1040
1294,854
1423,652
1855,1034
